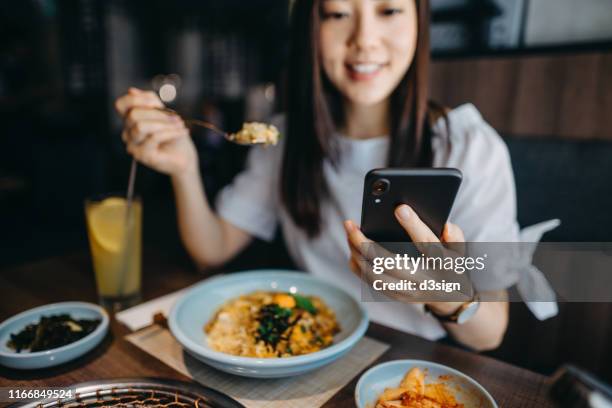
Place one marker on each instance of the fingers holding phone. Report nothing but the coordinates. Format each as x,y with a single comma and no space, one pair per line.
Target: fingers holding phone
374,264
406,209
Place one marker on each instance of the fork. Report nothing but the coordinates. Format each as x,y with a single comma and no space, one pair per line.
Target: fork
194,122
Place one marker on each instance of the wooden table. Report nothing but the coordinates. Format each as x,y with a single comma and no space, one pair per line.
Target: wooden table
71,278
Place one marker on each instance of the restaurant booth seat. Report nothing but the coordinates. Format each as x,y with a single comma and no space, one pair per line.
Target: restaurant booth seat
570,180
566,179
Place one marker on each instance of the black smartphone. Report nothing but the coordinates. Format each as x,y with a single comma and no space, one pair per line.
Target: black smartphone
430,192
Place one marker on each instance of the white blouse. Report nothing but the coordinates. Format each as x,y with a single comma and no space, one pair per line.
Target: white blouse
485,208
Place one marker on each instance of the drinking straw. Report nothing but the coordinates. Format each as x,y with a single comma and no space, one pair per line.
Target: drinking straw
130,199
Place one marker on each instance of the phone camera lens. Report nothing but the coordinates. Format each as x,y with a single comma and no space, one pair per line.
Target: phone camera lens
380,187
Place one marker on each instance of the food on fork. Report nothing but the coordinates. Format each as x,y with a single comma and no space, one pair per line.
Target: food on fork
256,133
414,392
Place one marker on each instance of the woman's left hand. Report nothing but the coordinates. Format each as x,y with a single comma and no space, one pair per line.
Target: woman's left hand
452,239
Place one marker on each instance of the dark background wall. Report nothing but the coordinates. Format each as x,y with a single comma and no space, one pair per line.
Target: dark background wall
62,63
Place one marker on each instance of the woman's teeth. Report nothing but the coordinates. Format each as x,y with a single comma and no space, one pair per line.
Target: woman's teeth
365,68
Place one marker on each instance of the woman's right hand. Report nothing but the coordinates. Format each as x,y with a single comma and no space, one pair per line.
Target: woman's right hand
156,138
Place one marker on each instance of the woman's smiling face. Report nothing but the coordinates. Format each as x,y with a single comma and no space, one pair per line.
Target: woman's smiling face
367,46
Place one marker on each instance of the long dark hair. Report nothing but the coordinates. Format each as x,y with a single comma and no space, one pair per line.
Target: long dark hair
314,109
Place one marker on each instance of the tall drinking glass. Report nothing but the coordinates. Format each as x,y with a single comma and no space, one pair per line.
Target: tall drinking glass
115,240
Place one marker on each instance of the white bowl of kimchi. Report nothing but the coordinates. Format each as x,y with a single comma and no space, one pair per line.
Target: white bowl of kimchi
419,383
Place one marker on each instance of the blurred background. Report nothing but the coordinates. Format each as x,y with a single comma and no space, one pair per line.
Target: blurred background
540,71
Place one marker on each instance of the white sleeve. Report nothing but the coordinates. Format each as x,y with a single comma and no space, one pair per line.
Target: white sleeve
251,202
485,208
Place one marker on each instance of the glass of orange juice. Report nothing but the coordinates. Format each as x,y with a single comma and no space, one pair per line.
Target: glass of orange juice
115,240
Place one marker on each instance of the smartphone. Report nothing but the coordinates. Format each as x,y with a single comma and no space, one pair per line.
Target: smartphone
429,192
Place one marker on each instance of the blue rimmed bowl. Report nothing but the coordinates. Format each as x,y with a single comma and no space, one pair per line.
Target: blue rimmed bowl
388,375
48,358
196,307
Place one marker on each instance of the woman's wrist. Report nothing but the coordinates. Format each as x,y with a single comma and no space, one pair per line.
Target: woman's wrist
444,308
188,175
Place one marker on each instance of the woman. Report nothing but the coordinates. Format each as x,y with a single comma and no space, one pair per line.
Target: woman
357,101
